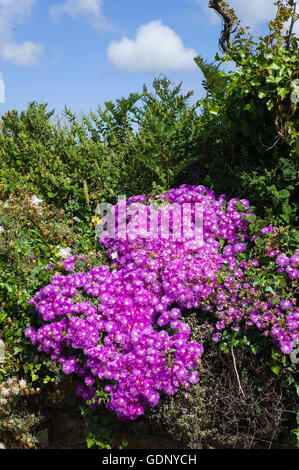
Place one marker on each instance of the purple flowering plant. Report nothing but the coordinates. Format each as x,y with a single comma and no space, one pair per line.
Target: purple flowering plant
122,327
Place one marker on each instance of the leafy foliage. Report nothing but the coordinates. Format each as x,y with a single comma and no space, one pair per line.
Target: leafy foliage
249,118
240,139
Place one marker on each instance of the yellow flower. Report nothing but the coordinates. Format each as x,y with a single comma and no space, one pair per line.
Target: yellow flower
94,220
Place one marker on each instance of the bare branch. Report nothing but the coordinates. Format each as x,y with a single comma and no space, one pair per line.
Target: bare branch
265,146
236,371
228,25
295,17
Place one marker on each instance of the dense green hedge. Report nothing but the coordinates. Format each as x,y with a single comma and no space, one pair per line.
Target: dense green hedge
240,139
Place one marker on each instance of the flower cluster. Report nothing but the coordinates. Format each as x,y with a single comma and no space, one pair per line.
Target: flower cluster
16,423
289,265
11,387
238,304
122,328
118,336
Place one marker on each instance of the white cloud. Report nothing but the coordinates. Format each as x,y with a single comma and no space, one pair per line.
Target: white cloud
15,9
251,13
13,12
254,12
156,48
77,9
204,13
24,54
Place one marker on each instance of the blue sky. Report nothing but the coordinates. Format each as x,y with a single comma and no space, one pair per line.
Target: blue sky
81,53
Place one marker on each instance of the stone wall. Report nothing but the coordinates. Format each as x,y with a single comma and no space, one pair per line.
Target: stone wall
65,428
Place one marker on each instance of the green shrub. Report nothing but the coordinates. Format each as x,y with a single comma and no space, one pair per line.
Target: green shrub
249,118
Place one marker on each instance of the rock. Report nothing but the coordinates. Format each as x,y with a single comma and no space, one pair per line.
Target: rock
43,438
65,427
68,430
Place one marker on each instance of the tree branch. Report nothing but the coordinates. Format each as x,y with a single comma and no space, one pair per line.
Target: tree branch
228,25
295,17
236,371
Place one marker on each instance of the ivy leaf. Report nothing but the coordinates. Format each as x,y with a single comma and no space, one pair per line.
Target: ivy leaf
90,442
275,369
274,66
224,348
214,109
270,105
262,94
248,107
283,92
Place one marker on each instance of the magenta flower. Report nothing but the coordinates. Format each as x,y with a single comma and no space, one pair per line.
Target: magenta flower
124,326
49,267
286,304
268,229
282,261
286,347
